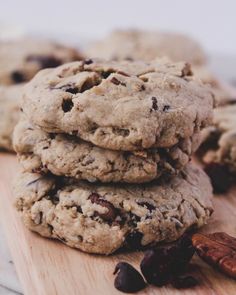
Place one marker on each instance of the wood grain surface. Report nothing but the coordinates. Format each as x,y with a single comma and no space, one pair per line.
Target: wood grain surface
47,267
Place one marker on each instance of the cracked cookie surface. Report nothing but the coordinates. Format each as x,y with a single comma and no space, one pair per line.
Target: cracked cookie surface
146,45
9,113
39,151
103,218
120,105
21,59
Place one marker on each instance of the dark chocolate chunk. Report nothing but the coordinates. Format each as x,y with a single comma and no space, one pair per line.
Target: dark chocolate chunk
128,279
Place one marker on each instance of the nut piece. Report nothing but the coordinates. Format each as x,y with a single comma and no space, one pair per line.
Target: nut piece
217,249
128,279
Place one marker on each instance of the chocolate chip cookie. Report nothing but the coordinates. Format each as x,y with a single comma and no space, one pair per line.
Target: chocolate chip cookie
120,105
39,151
103,218
9,113
220,139
20,60
146,45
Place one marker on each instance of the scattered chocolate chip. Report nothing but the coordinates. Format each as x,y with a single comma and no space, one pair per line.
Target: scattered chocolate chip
88,61
166,108
129,58
79,209
147,205
18,77
45,61
123,73
133,240
72,90
121,131
133,219
159,265
52,135
88,84
220,177
34,181
106,74
142,88
67,105
154,103
111,213
115,81
39,221
156,267
184,282
128,279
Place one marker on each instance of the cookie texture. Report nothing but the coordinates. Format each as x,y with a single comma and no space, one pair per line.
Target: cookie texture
102,219
120,105
10,97
220,139
21,59
147,45
60,154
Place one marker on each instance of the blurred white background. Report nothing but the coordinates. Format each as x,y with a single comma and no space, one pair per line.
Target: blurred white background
212,22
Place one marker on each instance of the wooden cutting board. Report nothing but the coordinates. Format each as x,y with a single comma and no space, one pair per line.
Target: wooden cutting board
47,267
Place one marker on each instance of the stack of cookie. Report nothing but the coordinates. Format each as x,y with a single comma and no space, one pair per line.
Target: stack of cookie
105,150
20,60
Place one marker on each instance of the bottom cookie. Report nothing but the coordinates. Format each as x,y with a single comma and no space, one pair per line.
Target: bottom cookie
101,219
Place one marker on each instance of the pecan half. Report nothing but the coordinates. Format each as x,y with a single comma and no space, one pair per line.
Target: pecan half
217,249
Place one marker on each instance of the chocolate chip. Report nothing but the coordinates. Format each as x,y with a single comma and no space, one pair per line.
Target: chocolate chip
115,81
106,74
88,61
133,219
40,218
72,90
79,209
34,181
220,177
67,105
128,279
18,77
156,267
166,108
52,135
142,88
133,240
184,282
147,205
123,73
161,264
121,131
88,84
111,213
129,58
154,103
45,61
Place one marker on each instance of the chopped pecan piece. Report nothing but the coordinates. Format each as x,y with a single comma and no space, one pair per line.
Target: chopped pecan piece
111,213
217,249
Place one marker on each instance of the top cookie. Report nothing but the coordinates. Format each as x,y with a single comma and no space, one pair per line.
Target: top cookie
147,45
120,105
21,59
